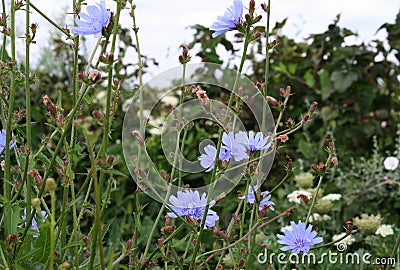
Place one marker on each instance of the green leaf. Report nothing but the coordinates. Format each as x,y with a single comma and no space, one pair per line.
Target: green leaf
42,157
42,244
181,242
306,148
309,78
328,113
88,99
116,172
324,79
15,211
342,81
73,244
292,68
326,86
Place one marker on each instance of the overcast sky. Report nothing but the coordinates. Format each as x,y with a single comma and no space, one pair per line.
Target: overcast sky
163,22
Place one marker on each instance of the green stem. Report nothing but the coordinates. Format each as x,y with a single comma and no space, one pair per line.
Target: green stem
7,173
221,130
52,225
104,144
267,56
4,44
138,226
97,241
173,169
28,192
257,226
75,73
317,189
67,126
280,116
50,20
395,248
75,225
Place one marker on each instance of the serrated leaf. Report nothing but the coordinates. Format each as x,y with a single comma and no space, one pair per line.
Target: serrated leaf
42,244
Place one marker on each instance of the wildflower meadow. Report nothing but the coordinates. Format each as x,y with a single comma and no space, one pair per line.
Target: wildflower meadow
256,151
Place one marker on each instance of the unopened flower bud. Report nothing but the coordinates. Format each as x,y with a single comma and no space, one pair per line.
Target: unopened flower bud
140,172
252,6
285,92
319,169
168,229
128,245
35,174
350,226
202,96
165,175
257,19
236,218
51,184
98,115
272,101
184,57
139,138
264,7
313,107
289,166
35,202
65,265
106,58
248,18
290,123
160,242
256,36
86,253
12,238
305,118
81,76
61,119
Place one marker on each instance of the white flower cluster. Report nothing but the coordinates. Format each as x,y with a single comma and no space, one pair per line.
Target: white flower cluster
384,230
293,197
391,163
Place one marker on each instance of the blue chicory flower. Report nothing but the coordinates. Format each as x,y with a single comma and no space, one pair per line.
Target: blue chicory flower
299,239
93,22
3,142
34,225
207,160
257,142
229,21
251,198
234,144
189,203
